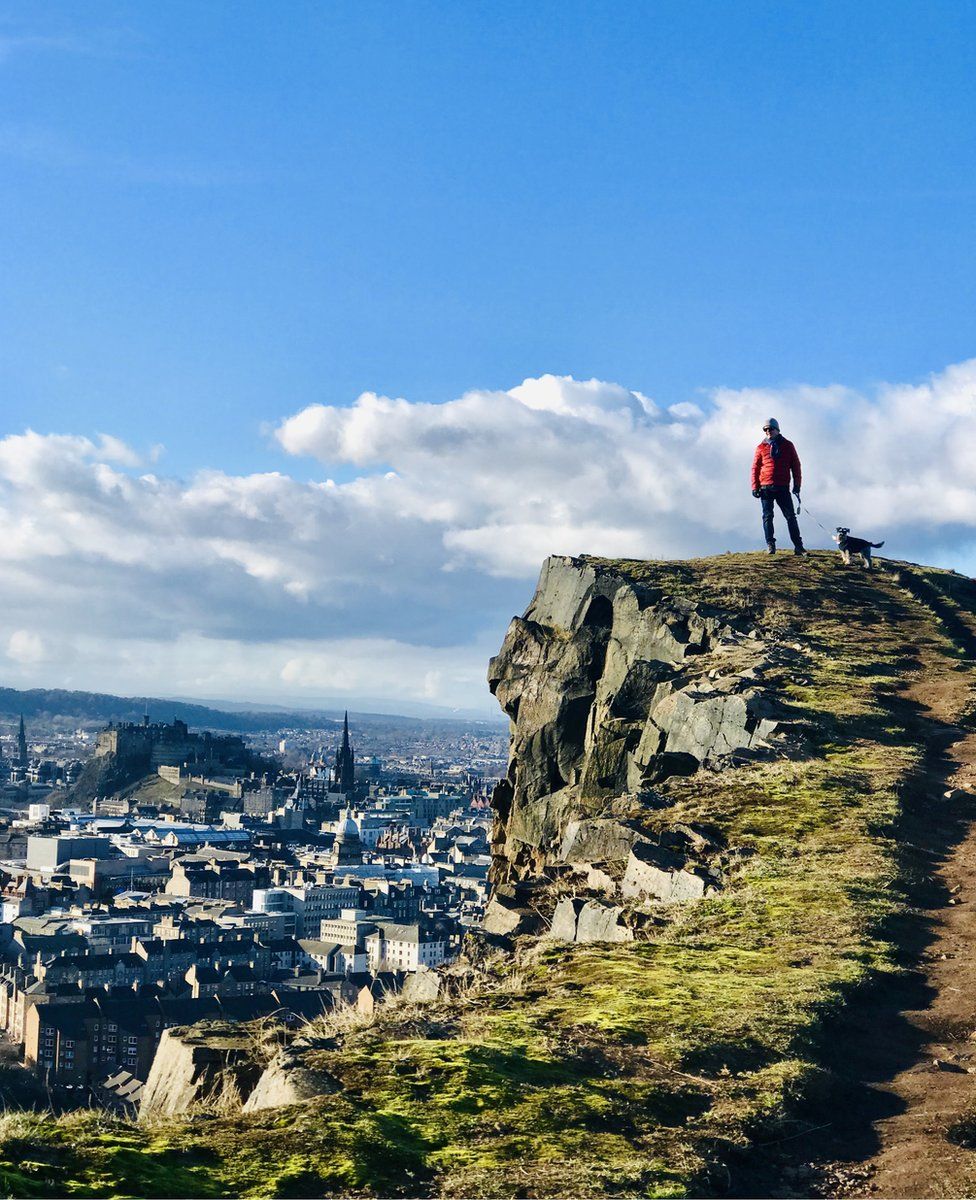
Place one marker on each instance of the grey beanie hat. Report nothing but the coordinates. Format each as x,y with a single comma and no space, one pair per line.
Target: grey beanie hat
772,423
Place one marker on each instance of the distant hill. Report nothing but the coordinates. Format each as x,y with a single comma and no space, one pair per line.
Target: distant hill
44,703
48,704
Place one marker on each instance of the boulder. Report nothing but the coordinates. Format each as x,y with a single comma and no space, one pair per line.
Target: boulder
656,873
503,916
212,1064
577,920
288,1080
422,986
601,923
702,725
563,928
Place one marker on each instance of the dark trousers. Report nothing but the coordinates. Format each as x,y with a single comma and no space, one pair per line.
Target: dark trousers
781,496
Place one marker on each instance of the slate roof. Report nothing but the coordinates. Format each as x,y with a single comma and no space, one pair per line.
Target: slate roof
313,946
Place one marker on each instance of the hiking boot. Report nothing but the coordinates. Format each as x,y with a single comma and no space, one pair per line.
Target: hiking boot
799,550
771,548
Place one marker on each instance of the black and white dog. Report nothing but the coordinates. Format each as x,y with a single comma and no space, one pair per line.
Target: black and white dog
851,545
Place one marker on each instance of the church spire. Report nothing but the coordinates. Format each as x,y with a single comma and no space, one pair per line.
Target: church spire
344,771
22,760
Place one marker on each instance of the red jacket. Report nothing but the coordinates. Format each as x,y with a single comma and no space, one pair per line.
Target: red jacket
767,470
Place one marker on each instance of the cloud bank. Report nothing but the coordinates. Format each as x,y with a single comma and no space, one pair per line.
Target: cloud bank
399,583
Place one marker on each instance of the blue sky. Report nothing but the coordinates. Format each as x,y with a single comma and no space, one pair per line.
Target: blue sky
216,216
217,213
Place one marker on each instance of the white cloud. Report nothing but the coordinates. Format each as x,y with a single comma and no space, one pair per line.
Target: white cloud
25,647
400,581
556,464
303,671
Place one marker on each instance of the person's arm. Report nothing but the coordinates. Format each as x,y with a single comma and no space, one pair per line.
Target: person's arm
756,464
795,468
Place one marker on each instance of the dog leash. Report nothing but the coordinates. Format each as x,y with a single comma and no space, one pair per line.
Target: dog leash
810,514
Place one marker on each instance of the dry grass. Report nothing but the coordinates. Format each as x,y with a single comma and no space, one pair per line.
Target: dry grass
636,1070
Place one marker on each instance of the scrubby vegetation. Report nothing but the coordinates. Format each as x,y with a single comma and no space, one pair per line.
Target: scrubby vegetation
647,1069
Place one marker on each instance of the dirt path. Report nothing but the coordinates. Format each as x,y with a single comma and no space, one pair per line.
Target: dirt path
907,1065
914,1156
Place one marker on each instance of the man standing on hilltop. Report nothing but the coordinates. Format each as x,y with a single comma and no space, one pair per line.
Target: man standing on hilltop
775,461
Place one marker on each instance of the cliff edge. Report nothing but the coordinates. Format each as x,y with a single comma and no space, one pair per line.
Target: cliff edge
614,686
700,861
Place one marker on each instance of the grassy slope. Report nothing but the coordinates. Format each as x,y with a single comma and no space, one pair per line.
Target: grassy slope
623,1070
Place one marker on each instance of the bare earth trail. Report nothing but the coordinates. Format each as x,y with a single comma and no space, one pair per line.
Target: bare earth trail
905,1065
914,1156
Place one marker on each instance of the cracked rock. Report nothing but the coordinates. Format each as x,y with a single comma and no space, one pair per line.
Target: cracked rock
577,920
657,873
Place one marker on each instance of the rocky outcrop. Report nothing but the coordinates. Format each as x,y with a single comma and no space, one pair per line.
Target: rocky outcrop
614,687
105,776
617,692
210,1065
288,1079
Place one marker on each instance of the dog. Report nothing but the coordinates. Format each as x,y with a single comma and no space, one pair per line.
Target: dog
853,545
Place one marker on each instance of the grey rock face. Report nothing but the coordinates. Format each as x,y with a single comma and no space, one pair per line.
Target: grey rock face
597,840
611,691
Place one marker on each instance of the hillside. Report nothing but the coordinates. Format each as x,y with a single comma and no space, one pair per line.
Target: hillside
98,708
726,796
47,705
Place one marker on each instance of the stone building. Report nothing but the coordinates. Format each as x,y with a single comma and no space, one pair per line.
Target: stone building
348,847
395,947
160,745
344,770
215,881
23,760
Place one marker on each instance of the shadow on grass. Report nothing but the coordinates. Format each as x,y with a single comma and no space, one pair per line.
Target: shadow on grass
871,1039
